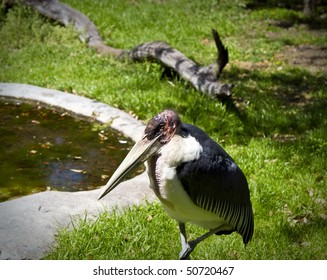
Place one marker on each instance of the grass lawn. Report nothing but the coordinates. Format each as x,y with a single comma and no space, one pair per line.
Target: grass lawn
275,127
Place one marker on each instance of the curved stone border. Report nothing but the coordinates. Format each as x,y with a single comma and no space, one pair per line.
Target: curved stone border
28,224
79,105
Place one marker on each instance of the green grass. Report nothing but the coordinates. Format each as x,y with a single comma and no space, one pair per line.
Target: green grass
275,128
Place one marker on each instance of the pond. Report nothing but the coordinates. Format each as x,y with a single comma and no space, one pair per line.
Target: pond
43,148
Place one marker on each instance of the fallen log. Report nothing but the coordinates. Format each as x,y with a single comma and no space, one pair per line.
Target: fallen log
203,78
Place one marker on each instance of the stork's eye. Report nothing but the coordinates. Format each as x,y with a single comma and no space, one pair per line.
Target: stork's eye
154,128
160,127
172,124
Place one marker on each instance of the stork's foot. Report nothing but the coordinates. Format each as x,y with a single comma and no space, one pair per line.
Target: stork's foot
186,251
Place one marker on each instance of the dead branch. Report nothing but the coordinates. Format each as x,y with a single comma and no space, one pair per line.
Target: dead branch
203,78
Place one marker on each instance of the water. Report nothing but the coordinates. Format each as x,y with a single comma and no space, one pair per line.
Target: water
43,148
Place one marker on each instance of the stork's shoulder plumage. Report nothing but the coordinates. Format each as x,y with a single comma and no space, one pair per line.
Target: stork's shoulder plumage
215,182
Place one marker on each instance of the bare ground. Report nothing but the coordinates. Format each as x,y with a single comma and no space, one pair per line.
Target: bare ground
312,58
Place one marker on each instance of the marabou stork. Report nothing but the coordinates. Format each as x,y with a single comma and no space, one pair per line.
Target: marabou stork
194,178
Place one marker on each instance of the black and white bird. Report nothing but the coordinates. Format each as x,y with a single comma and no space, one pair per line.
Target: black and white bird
195,179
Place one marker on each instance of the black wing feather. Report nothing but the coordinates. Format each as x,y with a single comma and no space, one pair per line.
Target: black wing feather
224,189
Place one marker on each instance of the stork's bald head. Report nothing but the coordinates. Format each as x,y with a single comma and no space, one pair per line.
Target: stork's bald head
165,125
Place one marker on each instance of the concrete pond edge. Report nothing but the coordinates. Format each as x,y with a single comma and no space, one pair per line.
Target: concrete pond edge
28,225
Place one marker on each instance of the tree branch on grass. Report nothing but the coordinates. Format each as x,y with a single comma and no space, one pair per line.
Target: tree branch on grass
203,78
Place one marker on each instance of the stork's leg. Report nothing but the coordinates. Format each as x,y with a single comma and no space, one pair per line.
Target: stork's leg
185,245
190,246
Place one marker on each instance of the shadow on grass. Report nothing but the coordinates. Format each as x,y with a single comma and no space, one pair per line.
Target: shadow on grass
280,102
316,20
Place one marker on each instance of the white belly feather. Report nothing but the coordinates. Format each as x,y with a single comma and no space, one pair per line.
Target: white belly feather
169,189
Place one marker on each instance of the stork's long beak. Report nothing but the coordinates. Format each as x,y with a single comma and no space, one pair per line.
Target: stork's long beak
140,152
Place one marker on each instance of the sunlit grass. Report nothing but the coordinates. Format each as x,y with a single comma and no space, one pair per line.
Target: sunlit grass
275,128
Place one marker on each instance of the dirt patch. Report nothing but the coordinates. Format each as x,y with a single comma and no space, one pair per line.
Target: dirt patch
248,65
313,58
